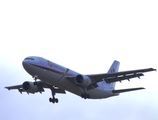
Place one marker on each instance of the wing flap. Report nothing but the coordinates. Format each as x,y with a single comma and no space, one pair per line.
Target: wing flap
119,76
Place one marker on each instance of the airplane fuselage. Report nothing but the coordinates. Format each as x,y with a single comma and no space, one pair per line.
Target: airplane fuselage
56,75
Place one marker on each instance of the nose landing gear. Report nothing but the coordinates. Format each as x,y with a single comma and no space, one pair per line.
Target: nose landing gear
35,77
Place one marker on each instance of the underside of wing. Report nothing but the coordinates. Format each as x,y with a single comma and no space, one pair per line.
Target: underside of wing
119,76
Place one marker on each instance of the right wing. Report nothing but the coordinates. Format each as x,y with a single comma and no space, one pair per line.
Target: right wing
113,77
40,85
14,87
19,87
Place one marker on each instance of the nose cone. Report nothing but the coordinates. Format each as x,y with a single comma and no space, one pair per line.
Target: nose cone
25,64
27,61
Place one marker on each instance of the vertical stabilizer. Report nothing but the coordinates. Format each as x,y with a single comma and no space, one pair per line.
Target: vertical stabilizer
114,68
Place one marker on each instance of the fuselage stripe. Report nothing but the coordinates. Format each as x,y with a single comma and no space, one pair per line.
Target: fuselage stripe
52,70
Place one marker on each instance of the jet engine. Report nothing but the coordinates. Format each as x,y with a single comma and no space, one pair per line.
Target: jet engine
30,87
83,80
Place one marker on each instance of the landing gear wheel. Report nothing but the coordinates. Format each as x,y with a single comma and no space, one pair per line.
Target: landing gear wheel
50,99
53,100
82,95
35,83
85,96
56,100
88,96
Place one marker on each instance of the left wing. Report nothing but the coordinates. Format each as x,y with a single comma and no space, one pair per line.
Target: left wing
119,76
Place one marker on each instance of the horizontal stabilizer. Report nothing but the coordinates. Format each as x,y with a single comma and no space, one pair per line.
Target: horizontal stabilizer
127,90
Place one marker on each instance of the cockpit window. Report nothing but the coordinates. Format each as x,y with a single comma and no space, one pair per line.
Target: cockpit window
29,59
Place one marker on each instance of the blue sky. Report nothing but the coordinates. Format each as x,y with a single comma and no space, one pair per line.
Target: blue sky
85,36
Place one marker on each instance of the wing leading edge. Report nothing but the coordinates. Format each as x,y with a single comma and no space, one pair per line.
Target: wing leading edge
14,87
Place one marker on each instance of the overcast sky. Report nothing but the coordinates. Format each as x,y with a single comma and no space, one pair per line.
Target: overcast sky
85,36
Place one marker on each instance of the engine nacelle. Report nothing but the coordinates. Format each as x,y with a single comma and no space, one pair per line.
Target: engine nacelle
30,87
83,80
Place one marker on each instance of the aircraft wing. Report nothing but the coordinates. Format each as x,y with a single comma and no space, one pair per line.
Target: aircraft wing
40,84
14,87
119,76
19,87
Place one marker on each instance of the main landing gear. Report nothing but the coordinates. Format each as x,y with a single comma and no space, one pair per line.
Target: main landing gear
85,95
53,100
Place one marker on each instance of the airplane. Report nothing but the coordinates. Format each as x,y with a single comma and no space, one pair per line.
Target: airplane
59,79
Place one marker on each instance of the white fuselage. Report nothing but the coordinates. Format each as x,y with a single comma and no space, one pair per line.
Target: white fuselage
56,75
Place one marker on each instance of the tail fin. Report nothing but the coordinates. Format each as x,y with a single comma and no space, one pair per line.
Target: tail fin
114,68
